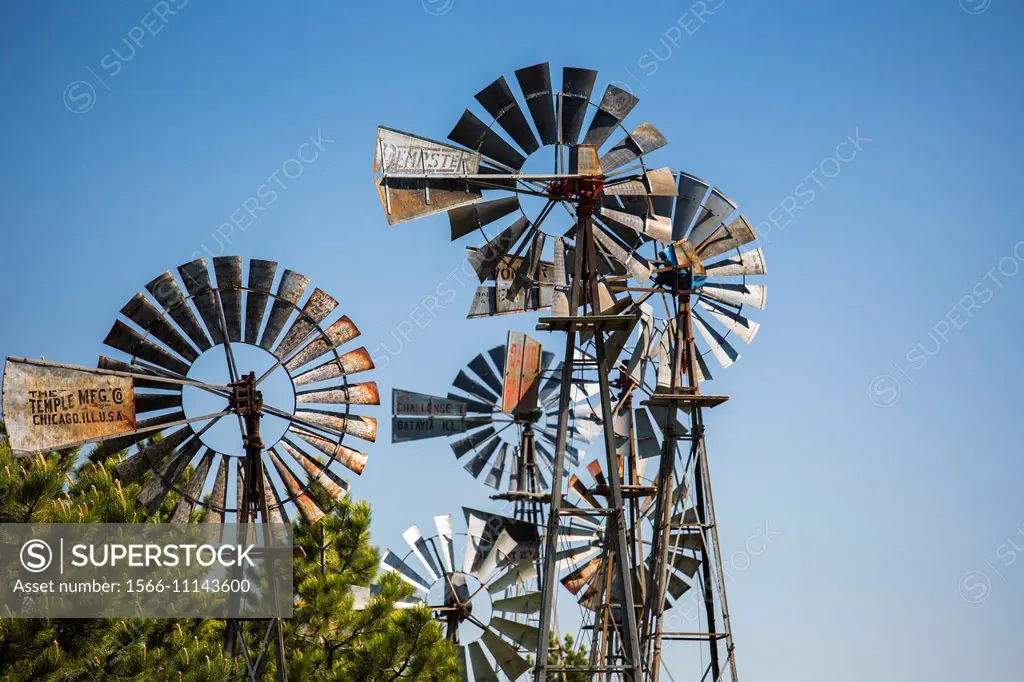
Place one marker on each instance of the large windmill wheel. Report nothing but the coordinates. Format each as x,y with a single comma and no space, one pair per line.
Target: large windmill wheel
481,585
246,335
486,179
502,399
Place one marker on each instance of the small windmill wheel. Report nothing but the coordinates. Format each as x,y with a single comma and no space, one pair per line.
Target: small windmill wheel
280,374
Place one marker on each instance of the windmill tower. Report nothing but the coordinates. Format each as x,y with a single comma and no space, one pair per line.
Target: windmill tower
168,336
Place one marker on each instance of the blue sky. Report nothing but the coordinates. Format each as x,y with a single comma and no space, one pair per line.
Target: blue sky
873,424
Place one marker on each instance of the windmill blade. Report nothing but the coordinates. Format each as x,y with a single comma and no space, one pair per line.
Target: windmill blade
196,277
470,442
522,634
474,134
643,140
658,182
125,339
443,524
391,562
153,402
261,278
747,263
214,511
484,371
497,355
319,305
477,463
486,259
512,664
579,487
577,84
717,207
160,483
150,457
677,587
472,405
118,366
169,295
352,459
365,393
482,671
466,219
339,333
535,82
526,270
500,552
352,424
723,350
735,235
615,105
650,226
353,362
688,541
684,563
582,576
465,383
113,445
497,472
143,313
517,575
703,371
662,414
275,508
228,270
574,555
731,320
475,529
690,196
414,538
309,509
637,266
487,302
289,291
335,486
498,100
190,493
742,294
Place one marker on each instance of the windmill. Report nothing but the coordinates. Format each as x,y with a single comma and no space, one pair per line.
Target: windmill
481,584
501,416
610,202
168,337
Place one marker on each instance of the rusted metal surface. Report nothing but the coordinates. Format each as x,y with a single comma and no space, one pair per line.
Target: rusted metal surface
118,366
353,424
658,182
642,140
340,332
143,313
649,226
746,263
522,368
354,361
152,402
365,393
289,291
535,82
132,468
399,153
487,258
307,506
192,490
214,511
261,278
228,270
498,100
46,408
637,266
319,305
615,105
349,457
168,294
335,486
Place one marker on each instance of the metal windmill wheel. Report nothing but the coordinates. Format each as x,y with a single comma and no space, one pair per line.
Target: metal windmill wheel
483,180
481,585
171,332
500,413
